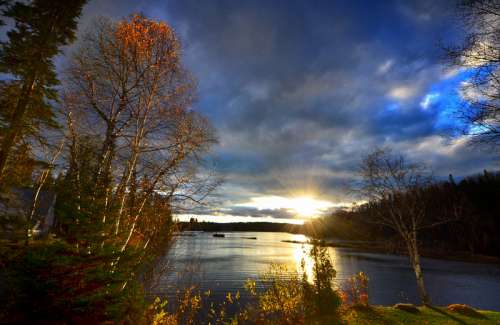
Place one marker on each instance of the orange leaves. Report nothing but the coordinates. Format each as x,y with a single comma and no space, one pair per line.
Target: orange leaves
356,291
147,41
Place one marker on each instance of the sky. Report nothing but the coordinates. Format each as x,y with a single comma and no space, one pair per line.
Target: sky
299,91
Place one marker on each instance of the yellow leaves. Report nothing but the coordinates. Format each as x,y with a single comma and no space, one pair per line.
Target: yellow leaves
356,290
283,294
251,287
229,298
160,316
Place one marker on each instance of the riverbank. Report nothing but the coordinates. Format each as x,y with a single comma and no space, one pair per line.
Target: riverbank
425,315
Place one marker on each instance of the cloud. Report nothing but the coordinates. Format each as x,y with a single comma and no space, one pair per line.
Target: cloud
428,100
402,92
303,206
385,67
300,91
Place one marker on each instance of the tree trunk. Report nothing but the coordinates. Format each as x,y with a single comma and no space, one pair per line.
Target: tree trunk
415,262
43,178
34,204
16,125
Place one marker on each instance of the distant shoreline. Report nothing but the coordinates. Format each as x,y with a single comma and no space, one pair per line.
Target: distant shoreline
240,226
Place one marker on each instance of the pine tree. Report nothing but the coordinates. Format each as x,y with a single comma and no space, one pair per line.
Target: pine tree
41,28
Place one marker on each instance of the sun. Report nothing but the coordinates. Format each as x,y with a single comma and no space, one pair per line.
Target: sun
301,206
305,206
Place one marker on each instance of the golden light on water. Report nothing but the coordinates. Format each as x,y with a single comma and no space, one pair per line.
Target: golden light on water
304,262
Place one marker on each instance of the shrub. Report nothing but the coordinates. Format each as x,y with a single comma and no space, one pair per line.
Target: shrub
289,298
191,306
49,282
321,297
281,302
186,309
356,290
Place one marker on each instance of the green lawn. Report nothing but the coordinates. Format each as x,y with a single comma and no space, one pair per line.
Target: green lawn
427,315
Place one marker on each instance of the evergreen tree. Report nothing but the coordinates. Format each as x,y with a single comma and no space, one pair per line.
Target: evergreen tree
41,28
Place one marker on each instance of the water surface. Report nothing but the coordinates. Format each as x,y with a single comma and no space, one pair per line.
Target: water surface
224,264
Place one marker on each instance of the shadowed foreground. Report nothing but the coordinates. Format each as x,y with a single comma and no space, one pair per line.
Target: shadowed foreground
426,315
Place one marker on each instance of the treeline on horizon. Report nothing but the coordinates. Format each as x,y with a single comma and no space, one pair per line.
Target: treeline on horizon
194,225
473,229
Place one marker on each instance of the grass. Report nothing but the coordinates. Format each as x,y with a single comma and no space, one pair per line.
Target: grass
426,315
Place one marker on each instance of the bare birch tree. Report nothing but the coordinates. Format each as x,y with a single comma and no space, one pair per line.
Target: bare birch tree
41,180
131,93
394,188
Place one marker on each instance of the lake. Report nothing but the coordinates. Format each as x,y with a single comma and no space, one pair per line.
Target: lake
224,264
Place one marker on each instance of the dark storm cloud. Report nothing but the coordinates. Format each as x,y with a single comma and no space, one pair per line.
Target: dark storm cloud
256,213
300,90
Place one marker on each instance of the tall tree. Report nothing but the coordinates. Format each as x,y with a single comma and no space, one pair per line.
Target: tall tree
480,54
396,192
127,90
3,4
41,28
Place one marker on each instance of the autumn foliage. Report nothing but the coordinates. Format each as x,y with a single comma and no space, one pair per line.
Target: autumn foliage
132,153
146,41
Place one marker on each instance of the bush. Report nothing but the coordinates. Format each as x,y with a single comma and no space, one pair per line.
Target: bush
49,282
289,298
321,297
282,301
191,306
355,292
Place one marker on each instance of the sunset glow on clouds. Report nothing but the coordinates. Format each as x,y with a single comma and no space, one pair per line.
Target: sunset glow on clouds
301,206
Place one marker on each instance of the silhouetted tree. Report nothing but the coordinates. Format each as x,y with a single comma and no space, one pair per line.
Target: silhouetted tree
398,200
41,28
480,54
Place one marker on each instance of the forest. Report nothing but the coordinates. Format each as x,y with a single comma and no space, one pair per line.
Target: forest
473,230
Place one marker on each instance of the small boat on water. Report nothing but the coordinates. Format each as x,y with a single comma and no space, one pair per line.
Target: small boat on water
219,235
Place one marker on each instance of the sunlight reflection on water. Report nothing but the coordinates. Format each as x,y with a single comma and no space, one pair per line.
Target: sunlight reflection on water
224,264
